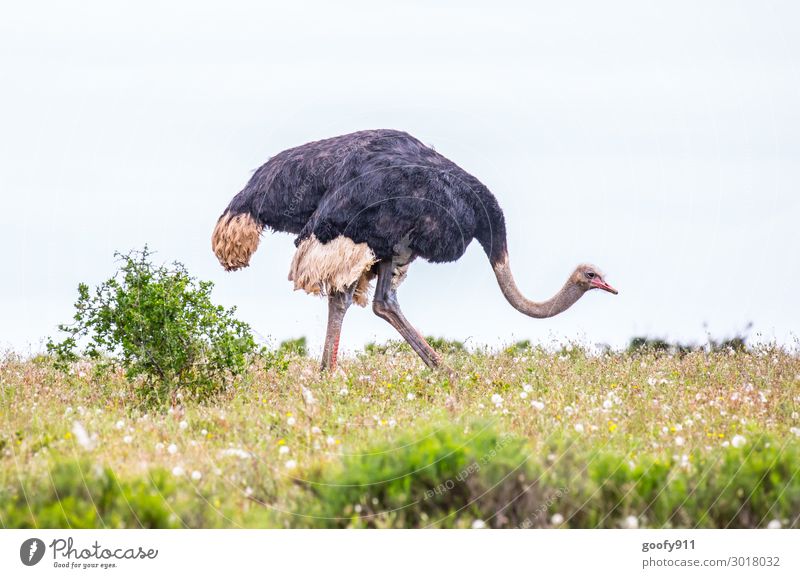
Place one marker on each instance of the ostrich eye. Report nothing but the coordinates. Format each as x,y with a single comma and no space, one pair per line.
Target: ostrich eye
590,274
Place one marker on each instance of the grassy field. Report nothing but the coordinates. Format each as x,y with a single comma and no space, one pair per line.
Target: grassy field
525,438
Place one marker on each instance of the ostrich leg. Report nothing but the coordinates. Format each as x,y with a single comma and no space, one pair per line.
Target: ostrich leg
385,306
337,307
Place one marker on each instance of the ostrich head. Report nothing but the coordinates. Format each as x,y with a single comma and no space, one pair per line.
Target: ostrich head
590,277
583,279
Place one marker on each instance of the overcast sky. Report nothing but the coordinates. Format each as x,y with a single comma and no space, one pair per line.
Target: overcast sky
660,141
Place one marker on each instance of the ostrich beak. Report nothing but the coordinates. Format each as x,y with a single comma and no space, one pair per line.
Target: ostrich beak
600,284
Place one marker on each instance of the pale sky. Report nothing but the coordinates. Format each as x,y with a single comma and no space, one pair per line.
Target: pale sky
660,141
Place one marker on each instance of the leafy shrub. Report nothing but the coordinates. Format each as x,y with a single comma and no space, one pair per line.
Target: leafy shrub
518,347
444,345
440,344
650,344
159,323
78,495
448,478
443,476
737,488
293,347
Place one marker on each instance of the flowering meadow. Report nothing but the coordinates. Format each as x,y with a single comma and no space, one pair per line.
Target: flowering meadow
524,437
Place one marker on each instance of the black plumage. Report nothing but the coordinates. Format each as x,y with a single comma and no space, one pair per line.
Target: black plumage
380,187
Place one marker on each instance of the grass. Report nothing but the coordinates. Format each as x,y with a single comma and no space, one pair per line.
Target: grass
526,438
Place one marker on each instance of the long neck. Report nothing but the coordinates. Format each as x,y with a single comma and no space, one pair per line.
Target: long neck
559,302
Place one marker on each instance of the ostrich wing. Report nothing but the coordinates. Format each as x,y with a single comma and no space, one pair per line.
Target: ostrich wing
417,205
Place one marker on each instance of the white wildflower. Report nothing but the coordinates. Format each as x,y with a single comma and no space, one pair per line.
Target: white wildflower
120,424
497,399
183,425
283,450
410,396
81,436
738,441
774,525
291,421
172,448
238,452
631,522
537,404
557,520
290,464
177,471
196,475
478,525
127,439
679,441
579,427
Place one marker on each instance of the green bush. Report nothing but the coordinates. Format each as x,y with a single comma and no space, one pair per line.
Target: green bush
159,323
293,347
444,477
440,344
78,495
444,345
448,478
736,488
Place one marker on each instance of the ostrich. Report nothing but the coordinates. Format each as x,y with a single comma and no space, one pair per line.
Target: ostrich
365,205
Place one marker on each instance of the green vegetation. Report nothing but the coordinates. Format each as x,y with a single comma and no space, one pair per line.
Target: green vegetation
159,324
526,438
293,347
736,343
